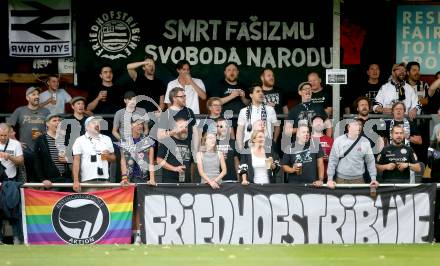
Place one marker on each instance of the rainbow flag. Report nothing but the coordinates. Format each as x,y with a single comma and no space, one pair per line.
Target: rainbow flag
101,217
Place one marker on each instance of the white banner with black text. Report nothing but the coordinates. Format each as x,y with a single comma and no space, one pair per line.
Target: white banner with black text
281,213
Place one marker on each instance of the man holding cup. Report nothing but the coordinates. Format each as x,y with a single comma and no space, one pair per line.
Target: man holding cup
106,98
304,163
92,153
30,120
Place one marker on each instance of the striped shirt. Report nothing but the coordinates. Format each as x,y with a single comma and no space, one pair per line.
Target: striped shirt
54,154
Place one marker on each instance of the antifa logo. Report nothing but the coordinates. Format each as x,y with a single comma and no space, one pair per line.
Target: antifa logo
80,218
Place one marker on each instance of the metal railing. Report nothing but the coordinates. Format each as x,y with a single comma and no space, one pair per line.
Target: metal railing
113,185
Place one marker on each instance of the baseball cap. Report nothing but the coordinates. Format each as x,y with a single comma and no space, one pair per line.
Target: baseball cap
137,119
77,98
52,115
90,118
302,84
32,89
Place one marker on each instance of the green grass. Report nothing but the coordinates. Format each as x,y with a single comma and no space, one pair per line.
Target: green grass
210,255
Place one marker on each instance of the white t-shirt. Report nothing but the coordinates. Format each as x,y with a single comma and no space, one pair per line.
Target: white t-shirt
192,98
387,96
62,98
14,149
86,147
271,120
260,170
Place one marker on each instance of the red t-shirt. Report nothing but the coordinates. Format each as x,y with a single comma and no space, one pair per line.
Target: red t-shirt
326,144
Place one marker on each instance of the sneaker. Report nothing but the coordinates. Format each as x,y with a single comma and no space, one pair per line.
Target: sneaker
1,242
137,239
17,240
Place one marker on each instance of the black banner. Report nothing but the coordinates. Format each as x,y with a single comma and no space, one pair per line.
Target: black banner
293,41
279,213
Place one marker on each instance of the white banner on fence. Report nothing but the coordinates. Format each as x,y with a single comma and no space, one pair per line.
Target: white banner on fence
40,28
275,218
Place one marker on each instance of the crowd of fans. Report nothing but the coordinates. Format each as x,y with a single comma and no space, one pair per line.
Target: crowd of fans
159,136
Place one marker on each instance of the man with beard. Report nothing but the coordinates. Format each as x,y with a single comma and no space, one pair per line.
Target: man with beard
273,96
419,86
412,136
231,92
30,120
92,153
175,156
256,110
396,160
373,129
397,90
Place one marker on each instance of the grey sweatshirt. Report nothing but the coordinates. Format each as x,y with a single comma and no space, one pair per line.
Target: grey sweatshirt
351,166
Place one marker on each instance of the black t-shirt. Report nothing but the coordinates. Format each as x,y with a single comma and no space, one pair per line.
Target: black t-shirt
308,155
168,119
433,103
225,89
276,98
305,111
69,128
180,149
151,88
364,89
323,98
114,101
396,154
414,130
227,147
370,90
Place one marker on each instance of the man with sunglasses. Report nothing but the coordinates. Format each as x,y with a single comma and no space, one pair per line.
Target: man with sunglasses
397,90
